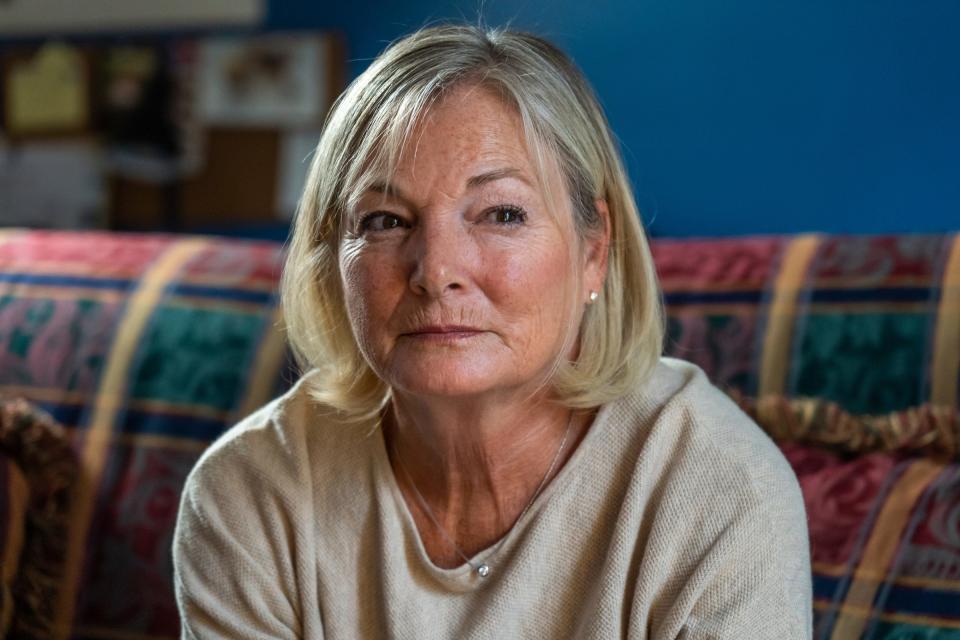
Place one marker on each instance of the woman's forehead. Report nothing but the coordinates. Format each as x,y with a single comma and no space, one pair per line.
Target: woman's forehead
469,137
469,126
485,178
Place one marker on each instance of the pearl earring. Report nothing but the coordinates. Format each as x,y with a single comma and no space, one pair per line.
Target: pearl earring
593,296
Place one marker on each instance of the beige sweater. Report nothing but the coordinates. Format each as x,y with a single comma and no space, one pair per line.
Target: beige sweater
675,518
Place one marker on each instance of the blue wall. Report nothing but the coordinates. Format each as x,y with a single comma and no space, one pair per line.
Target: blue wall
744,116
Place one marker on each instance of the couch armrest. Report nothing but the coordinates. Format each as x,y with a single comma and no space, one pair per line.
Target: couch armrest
41,468
14,497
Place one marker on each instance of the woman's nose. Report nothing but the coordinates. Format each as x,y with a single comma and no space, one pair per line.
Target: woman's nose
439,260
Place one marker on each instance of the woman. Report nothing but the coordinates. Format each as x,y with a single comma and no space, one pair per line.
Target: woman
487,444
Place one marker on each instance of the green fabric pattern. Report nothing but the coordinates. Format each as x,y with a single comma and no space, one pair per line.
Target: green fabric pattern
196,356
865,362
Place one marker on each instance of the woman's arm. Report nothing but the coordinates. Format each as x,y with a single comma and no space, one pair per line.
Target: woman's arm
235,573
728,554
756,580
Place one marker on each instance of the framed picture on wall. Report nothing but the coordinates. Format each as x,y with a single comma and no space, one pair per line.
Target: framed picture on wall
275,81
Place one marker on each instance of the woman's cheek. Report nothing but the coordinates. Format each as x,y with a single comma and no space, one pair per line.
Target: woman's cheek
357,294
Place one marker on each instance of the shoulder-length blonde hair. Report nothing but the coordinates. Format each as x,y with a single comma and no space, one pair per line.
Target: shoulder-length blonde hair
620,335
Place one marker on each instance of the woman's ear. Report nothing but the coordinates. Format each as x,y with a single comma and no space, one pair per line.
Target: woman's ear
597,248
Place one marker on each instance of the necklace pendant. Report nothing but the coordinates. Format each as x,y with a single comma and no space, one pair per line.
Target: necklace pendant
483,570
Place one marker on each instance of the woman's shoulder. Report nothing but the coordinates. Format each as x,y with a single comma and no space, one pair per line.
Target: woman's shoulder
720,508
271,426
243,511
696,427
273,445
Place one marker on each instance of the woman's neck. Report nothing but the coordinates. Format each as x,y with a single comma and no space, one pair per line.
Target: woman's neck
475,465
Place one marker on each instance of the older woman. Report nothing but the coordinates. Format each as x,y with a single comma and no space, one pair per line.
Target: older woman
487,443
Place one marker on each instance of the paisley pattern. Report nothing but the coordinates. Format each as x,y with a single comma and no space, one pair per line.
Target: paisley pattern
707,265
841,498
918,594
714,291
54,343
137,514
720,344
866,335
174,363
878,260
933,551
868,363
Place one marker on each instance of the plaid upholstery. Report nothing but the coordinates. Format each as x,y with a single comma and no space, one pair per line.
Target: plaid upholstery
809,333
870,323
885,543
148,347
145,348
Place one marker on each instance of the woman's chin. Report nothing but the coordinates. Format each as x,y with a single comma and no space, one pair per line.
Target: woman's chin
450,387
446,379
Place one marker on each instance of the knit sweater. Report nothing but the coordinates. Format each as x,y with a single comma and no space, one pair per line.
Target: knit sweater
676,517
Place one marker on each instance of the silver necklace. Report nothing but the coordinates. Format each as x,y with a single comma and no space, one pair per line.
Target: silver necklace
482,569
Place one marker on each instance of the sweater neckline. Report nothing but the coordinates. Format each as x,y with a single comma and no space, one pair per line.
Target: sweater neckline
462,577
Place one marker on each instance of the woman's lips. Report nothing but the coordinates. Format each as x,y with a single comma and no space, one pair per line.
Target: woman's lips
443,333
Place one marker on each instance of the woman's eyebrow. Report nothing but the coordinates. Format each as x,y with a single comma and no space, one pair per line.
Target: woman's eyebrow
497,174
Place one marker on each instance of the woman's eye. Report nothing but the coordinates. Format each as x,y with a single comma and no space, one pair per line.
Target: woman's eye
381,221
508,215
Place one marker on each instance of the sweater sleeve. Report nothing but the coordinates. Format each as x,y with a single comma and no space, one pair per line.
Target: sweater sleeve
755,580
235,572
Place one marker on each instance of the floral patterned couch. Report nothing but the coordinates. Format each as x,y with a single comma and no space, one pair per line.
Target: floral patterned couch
123,356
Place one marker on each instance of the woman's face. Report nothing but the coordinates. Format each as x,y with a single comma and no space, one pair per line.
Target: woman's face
459,278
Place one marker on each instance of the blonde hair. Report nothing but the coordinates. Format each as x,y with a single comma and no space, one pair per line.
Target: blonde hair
621,334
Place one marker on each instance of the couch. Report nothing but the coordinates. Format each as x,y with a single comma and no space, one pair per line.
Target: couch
122,357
